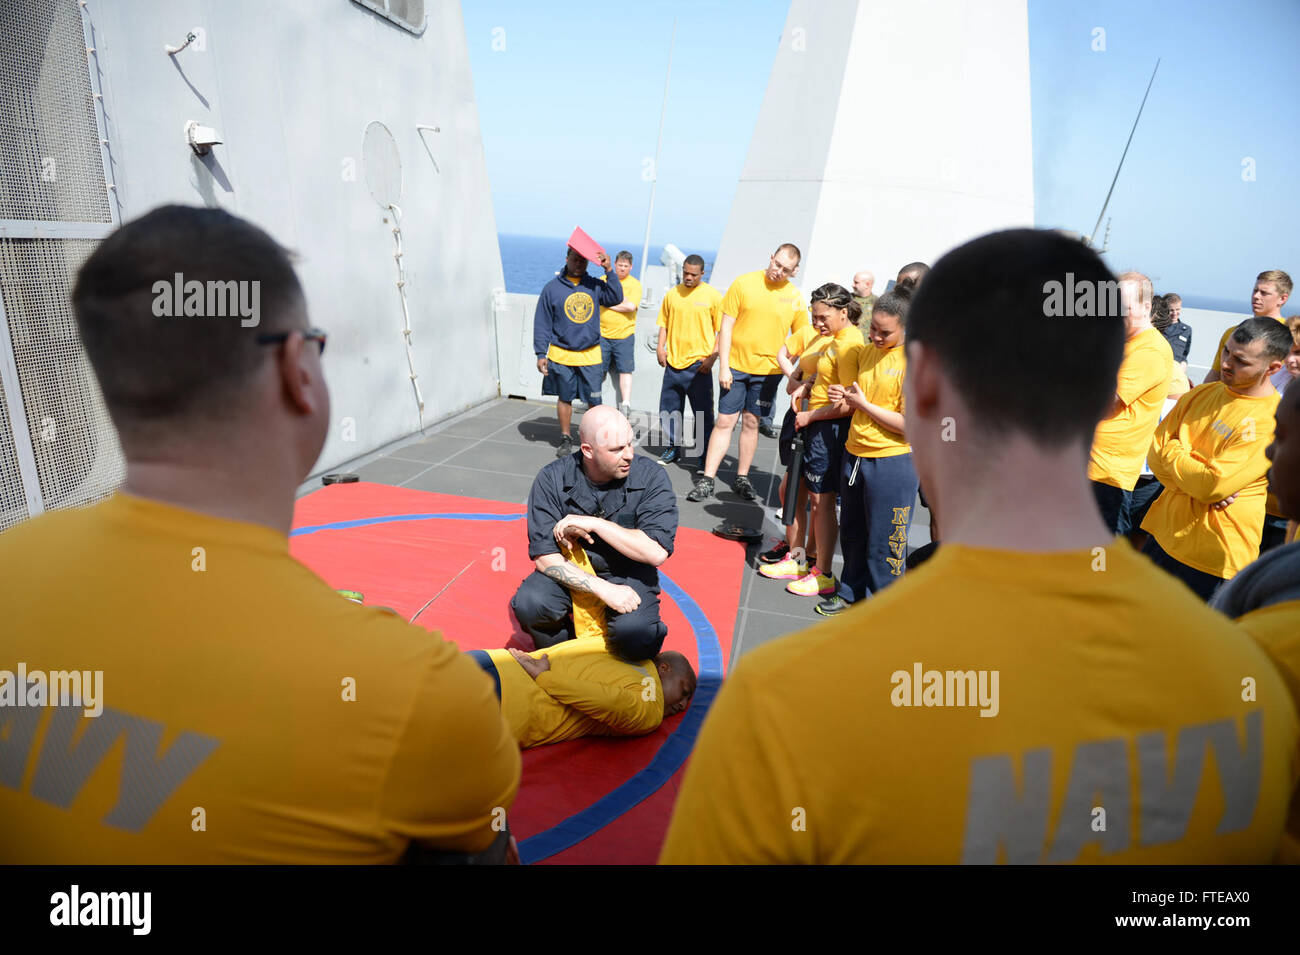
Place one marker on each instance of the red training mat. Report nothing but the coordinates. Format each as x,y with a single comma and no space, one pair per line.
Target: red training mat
404,564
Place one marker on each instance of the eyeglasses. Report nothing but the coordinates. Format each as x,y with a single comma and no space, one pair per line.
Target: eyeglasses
310,335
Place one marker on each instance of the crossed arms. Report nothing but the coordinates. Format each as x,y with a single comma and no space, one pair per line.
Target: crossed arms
1213,482
577,528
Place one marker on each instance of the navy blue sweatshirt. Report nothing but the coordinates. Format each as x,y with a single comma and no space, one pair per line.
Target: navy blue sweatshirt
568,313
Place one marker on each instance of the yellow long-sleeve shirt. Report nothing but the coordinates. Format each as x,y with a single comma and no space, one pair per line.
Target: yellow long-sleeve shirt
586,692
1210,446
1271,505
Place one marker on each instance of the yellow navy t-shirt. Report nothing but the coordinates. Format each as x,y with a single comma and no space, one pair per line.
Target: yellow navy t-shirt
616,325
692,317
1210,446
805,345
250,713
765,316
1276,628
1122,439
879,373
1038,688
836,365
586,692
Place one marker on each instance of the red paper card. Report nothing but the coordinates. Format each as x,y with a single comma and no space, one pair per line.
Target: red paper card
585,245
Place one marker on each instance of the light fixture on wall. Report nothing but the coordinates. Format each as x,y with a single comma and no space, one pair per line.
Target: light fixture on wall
201,138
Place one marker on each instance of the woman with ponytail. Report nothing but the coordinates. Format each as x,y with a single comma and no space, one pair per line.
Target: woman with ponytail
878,486
824,425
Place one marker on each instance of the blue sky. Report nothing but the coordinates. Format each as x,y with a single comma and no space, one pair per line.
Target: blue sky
570,110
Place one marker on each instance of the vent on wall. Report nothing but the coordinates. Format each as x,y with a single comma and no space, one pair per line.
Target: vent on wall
407,14
57,445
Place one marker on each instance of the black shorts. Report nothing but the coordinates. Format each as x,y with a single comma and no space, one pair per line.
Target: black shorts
823,454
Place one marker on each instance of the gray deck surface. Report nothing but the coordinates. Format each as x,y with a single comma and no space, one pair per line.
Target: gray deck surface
493,452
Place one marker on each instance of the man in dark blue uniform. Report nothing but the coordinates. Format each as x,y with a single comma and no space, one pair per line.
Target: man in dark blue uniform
1178,333
622,511
566,336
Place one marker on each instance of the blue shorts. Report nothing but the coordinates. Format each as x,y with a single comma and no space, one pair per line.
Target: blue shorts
619,354
567,382
482,659
752,393
823,455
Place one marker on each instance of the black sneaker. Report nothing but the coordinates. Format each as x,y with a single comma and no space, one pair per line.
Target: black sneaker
769,430
776,554
565,448
669,456
703,489
832,605
745,489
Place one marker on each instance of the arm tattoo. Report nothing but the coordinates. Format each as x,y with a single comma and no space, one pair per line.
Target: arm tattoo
570,576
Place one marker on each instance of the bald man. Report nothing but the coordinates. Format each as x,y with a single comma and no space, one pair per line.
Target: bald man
863,283
600,522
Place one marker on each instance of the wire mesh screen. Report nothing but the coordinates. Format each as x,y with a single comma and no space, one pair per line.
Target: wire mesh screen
77,453
50,162
13,505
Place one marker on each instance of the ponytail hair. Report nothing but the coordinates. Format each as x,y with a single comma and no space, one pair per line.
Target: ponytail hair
837,296
895,302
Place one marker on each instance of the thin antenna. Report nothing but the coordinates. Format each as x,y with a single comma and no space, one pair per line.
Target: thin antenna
645,247
1092,240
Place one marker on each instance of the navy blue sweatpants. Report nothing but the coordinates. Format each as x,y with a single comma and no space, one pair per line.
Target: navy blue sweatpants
679,385
876,500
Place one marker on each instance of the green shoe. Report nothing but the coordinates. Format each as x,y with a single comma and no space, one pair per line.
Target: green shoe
832,605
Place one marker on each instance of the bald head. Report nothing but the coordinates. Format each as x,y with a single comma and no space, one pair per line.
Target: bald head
607,448
598,419
863,282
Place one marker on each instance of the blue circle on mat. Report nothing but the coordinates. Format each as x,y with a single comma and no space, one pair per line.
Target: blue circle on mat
667,759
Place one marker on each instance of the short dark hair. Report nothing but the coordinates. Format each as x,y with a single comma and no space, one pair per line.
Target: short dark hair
1277,336
910,275
1173,298
897,302
624,256
153,368
678,663
791,247
982,311
693,259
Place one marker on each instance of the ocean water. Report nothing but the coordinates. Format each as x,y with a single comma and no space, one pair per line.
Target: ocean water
531,261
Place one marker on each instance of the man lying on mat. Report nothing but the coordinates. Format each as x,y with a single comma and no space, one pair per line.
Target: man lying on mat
579,689
618,513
